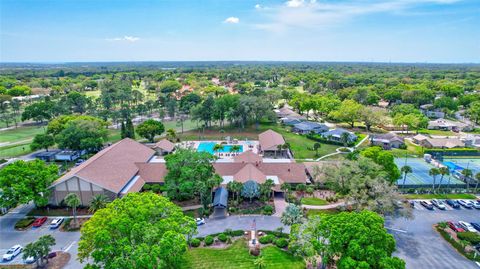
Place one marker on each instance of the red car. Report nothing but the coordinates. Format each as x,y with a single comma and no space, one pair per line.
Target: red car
455,227
39,222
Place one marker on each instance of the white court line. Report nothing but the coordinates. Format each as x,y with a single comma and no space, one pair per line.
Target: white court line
70,246
396,230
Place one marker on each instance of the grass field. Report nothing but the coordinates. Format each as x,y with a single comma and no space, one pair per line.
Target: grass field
412,149
322,212
313,201
237,256
16,142
436,132
440,196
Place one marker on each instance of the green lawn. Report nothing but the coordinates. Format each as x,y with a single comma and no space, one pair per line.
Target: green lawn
412,149
237,256
322,212
313,201
436,132
20,134
440,196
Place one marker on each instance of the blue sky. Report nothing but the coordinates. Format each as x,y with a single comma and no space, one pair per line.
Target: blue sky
201,30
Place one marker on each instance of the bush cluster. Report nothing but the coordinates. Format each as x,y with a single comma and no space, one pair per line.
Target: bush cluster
471,237
24,223
195,242
268,210
281,242
222,237
208,240
267,239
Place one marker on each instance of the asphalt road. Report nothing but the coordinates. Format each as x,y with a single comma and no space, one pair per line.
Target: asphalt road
422,247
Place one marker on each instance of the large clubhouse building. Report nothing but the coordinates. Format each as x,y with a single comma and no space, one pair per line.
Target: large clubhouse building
127,166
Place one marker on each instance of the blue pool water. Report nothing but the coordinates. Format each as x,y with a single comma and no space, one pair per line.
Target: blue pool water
452,166
208,147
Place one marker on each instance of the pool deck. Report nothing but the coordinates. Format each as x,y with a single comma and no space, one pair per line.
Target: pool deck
246,145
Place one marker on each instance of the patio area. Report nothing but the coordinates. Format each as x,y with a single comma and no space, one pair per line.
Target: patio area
229,148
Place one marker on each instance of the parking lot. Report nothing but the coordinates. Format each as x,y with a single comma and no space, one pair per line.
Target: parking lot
421,246
65,241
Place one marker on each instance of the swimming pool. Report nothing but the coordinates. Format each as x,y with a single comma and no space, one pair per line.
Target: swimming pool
208,147
452,166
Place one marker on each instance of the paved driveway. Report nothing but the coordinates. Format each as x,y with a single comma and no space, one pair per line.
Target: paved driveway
422,247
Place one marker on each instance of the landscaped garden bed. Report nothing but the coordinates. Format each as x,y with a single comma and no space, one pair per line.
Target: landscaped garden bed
69,226
440,196
463,242
58,211
24,223
254,207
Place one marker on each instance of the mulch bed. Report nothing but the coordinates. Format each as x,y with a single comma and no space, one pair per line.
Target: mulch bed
80,222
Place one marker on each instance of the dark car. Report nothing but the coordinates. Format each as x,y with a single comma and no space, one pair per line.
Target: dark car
476,225
455,227
39,222
428,205
453,203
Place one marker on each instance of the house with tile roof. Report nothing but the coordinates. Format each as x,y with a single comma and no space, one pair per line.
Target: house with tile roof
271,143
164,147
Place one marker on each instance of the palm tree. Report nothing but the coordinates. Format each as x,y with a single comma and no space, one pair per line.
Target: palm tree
267,187
98,201
443,172
301,188
405,170
316,146
217,147
467,173
477,178
279,148
345,138
260,262
171,134
235,148
231,188
72,201
434,172
237,188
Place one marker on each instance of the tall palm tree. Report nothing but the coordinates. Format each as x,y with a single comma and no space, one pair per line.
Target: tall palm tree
477,180
235,148
98,201
237,188
267,186
72,201
443,172
467,173
217,147
405,170
231,188
316,146
171,134
434,172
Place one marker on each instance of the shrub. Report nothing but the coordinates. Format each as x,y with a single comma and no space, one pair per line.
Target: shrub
200,238
208,240
237,233
156,188
147,187
267,239
222,237
281,242
472,237
24,223
195,242
268,210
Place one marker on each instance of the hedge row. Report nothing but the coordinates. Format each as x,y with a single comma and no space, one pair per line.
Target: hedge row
24,223
457,245
323,140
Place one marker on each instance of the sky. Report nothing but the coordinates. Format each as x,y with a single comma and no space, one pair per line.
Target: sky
433,31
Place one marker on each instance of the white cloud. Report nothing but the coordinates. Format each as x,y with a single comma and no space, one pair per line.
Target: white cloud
125,38
315,14
258,6
232,20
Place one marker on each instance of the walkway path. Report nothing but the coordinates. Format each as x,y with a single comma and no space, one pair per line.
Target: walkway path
337,150
280,206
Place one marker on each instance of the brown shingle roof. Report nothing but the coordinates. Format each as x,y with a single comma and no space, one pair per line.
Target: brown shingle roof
269,140
112,167
152,172
286,172
164,144
249,172
247,157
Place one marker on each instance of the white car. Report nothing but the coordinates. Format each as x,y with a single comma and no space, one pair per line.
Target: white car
56,223
466,203
30,260
467,226
200,221
476,204
439,204
12,253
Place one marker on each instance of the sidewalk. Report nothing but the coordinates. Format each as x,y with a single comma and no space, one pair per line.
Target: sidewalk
323,207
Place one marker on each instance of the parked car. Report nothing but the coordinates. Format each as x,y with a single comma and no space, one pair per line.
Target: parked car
412,204
56,223
427,204
30,259
476,225
439,204
79,162
39,222
12,253
466,204
467,226
476,204
200,221
455,227
453,203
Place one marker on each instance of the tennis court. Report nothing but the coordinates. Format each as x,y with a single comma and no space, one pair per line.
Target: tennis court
420,176
460,164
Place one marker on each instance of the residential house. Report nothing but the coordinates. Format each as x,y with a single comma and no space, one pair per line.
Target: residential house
308,127
387,141
431,112
442,143
448,125
164,147
335,135
47,156
287,112
290,121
